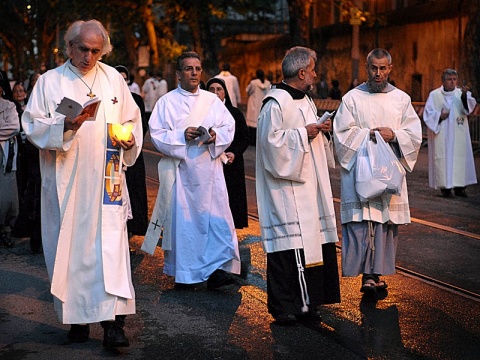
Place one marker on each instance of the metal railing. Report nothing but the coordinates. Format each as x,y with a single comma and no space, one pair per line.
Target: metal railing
473,123
473,119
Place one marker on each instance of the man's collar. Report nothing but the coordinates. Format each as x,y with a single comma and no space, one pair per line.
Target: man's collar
186,92
294,93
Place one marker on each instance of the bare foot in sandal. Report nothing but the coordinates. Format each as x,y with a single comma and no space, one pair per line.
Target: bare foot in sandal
369,284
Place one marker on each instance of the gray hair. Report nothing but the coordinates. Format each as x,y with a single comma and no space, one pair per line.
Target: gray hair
73,33
379,54
295,59
448,72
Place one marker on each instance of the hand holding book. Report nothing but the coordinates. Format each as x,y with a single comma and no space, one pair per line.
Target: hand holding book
204,137
71,109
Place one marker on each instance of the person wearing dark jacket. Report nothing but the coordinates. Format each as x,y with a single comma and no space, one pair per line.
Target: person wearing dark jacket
29,181
234,169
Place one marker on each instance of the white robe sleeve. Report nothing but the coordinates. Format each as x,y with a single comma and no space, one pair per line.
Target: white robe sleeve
224,127
409,137
166,135
131,114
431,114
347,137
284,150
42,125
471,102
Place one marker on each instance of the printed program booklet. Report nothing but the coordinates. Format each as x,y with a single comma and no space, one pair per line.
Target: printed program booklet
327,115
70,108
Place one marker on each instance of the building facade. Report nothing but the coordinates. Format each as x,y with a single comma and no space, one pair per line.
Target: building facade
423,36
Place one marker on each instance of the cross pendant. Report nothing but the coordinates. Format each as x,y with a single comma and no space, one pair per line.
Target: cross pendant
91,95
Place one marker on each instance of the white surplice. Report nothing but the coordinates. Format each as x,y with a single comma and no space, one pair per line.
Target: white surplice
199,236
370,228
84,231
359,112
294,196
450,154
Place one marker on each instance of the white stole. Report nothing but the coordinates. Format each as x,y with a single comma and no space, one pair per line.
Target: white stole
161,219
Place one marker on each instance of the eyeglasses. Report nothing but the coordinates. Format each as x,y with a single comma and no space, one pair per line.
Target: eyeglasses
191,68
17,91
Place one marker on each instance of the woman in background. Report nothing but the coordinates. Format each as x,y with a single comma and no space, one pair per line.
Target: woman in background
234,169
29,180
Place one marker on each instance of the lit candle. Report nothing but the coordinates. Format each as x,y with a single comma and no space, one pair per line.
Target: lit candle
122,132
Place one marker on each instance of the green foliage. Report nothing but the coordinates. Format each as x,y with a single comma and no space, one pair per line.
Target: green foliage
32,31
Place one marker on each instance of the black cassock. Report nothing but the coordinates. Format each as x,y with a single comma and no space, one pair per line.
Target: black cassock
235,172
284,290
137,187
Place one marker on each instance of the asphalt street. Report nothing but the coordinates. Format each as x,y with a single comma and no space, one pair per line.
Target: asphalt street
415,319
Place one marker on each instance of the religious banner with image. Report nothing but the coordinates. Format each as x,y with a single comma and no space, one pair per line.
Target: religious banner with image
112,194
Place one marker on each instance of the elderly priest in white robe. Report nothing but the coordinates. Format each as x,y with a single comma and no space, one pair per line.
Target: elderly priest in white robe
450,155
294,196
370,228
85,201
192,128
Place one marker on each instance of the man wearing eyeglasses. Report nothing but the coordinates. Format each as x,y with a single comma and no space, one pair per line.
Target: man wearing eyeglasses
192,128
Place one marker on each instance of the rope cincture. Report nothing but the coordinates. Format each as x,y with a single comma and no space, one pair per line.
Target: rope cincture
371,241
302,282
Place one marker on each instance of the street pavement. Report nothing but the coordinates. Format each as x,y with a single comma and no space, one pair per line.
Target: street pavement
415,319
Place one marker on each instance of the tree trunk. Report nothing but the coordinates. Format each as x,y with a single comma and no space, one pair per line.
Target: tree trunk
299,14
151,34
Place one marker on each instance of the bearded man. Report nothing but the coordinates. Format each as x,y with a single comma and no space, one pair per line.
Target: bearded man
370,228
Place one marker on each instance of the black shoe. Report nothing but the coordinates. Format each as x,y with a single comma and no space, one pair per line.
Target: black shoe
113,335
460,192
185,287
36,245
315,314
7,240
285,319
311,316
78,333
219,278
447,193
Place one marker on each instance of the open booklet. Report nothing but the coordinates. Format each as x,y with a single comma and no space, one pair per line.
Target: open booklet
70,108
